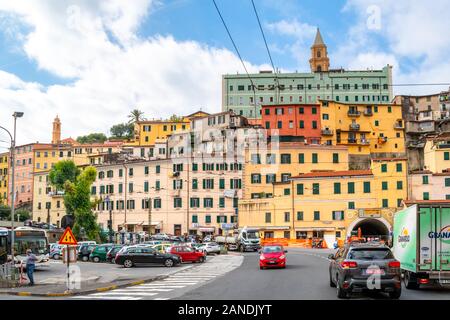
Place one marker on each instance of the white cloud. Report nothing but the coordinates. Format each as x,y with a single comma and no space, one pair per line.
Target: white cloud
110,70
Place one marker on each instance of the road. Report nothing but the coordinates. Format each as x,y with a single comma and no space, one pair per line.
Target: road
238,277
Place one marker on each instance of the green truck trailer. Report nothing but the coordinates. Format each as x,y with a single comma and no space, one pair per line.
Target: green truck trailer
421,242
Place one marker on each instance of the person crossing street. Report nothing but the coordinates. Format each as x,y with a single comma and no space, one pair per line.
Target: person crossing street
31,265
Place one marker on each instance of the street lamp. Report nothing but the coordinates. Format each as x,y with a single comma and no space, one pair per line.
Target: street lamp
13,194
108,201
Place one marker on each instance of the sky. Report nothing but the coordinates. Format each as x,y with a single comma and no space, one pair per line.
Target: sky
91,62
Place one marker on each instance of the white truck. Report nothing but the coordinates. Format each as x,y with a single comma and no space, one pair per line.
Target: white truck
243,239
421,243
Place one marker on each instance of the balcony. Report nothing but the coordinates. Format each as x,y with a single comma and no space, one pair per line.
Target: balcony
352,141
353,113
327,132
364,142
56,194
355,127
368,113
399,126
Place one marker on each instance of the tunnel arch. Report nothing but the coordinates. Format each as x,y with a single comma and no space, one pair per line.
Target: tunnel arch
370,227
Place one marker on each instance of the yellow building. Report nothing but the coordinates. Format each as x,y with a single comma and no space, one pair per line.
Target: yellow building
147,132
4,169
330,205
48,205
437,153
281,161
364,128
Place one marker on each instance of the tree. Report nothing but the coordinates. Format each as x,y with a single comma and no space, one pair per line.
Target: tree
135,116
63,171
77,200
23,214
122,130
5,212
175,118
92,138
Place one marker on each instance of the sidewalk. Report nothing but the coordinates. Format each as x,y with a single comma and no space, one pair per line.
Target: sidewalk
56,286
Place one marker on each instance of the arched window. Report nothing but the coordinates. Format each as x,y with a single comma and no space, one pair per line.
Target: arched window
318,54
319,68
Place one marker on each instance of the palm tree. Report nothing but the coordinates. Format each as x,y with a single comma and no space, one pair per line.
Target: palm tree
135,116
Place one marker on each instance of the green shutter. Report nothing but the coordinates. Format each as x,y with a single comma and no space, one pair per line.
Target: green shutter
194,167
384,185
351,205
351,187
221,202
399,185
316,188
300,189
222,184
367,187
447,182
335,157
385,203
399,167
446,155
301,158
315,158
384,167
424,179
426,196
337,188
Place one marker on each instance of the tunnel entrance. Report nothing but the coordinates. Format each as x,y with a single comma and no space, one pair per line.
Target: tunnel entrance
371,227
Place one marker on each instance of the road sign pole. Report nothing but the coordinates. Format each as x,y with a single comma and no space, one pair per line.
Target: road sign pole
68,265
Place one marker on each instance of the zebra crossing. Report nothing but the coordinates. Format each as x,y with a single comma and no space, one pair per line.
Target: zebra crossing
172,285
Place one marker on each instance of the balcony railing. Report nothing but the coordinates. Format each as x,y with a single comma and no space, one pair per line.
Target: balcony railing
398,126
353,113
368,113
352,140
354,126
382,139
327,132
364,142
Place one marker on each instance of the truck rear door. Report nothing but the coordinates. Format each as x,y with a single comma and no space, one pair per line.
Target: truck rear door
427,245
442,239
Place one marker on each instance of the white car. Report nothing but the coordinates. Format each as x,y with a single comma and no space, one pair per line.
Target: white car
210,247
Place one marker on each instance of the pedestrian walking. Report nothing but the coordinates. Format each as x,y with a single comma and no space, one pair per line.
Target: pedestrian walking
31,265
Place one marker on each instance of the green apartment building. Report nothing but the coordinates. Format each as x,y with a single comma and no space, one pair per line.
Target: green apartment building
369,86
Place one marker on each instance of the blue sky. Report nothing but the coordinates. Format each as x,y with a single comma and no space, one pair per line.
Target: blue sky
92,61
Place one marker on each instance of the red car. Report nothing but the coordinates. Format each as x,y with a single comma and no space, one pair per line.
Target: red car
188,254
272,256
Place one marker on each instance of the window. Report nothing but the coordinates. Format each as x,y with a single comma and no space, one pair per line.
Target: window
146,171
314,110
285,177
315,158
337,188
157,203
302,124
195,219
384,185
385,203
325,116
120,188
447,182
300,189
271,178
130,187
316,188
399,185
221,202
424,179
338,215
208,183
208,219
177,202
377,123
301,110
399,167
384,167
446,155
256,159
271,158
366,186
287,217
157,185
146,186
299,215
351,205
195,203
268,218
286,158
316,215
130,172
194,167
335,157
287,192
267,111
221,184
279,124
207,202
351,187
301,158
314,124
256,178
158,169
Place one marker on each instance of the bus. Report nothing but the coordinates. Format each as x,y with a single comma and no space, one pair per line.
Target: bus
3,245
30,238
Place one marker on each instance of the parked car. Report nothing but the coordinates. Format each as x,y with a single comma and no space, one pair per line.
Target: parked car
353,264
99,252
152,242
208,238
55,252
133,256
197,246
272,256
111,254
162,247
84,251
210,247
187,253
161,236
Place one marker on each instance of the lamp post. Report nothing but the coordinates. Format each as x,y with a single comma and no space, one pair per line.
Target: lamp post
13,194
108,202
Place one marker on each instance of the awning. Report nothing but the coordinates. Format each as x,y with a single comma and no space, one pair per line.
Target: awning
315,229
272,228
154,224
206,229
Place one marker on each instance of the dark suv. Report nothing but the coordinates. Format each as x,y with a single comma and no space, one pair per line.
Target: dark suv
361,267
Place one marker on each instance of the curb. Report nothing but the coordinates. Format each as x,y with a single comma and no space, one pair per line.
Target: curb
96,290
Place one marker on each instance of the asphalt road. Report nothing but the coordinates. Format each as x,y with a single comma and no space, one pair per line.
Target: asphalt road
305,277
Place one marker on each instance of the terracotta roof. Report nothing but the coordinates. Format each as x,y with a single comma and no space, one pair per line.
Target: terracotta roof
427,202
334,174
442,174
421,172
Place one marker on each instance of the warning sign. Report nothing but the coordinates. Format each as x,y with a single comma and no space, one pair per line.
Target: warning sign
68,237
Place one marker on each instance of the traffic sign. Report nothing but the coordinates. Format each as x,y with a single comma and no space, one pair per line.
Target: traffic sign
68,237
